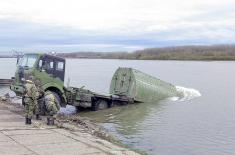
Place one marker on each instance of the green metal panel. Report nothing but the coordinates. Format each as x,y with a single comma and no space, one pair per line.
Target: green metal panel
79,97
140,86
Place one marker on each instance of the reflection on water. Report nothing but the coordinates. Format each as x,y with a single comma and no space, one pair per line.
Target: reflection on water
126,118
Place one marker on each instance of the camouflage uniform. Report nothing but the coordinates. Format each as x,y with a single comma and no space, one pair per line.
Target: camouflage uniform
51,107
30,100
40,106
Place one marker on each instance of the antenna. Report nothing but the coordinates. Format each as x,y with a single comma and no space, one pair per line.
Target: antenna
68,82
17,55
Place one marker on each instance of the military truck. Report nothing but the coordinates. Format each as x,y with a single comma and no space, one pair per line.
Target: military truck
50,71
127,86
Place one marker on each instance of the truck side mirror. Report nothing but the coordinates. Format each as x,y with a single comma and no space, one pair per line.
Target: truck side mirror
40,65
17,61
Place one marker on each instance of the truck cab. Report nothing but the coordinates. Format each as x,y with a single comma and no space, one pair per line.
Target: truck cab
48,69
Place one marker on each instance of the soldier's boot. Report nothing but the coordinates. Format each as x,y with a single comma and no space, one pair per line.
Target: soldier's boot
50,121
38,117
29,121
26,120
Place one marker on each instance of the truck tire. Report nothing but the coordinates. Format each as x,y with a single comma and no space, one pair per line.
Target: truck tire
102,104
78,109
99,104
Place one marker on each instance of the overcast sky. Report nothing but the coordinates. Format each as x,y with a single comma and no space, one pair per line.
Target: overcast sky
113,25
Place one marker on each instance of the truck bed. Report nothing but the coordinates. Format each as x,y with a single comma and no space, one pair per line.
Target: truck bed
80,97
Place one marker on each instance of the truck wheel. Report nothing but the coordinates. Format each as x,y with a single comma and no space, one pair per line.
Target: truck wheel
102,105
99,104
78,109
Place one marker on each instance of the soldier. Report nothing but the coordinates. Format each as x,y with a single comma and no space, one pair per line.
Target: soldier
40,108
51,107
30,99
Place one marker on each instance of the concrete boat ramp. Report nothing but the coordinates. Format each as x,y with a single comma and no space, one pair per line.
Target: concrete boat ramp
16,138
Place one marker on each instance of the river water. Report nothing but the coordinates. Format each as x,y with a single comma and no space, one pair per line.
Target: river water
203,125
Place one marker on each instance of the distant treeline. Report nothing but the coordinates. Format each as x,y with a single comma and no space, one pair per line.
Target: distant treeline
6,56
213,52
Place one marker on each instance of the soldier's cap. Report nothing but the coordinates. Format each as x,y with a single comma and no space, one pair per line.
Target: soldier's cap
28,81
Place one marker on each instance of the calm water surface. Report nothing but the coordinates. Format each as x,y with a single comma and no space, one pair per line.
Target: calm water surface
201,126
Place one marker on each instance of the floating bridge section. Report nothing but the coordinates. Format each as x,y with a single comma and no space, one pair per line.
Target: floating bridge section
140,86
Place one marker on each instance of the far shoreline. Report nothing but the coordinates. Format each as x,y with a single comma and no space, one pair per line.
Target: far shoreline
156,59
138,59
174,53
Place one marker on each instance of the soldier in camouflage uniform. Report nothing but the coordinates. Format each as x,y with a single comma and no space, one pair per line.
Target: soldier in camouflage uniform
30,99
40,108
51,107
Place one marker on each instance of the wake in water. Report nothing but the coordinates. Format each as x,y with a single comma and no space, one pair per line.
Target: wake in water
185,94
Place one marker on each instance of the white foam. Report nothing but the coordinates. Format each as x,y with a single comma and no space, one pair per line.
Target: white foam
175,98
187,93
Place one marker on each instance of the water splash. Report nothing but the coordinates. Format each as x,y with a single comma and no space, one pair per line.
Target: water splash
185,94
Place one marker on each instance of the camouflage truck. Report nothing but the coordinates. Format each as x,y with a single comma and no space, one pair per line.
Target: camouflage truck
127,85
50,71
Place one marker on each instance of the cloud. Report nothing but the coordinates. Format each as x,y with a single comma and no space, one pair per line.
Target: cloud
110,15
29,36
107,25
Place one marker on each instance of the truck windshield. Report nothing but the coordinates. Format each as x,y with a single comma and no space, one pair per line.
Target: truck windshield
28,61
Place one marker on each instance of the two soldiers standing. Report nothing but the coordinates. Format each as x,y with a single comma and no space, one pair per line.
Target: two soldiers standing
37,102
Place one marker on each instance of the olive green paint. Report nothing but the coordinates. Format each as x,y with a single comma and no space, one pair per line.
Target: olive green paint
140,86
48,82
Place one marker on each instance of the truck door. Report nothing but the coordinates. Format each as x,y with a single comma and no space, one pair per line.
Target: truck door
53,67
59,69
48,66
45,71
